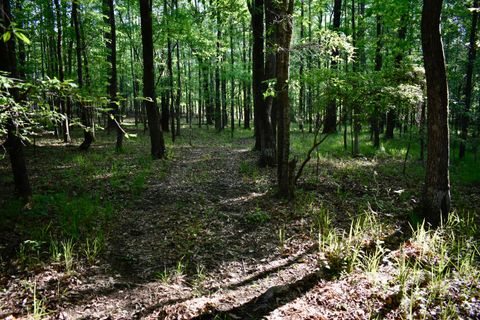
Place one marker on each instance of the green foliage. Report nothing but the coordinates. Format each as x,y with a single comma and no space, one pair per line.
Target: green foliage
257,217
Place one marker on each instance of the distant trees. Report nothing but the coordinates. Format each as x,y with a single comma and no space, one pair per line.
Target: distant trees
436,195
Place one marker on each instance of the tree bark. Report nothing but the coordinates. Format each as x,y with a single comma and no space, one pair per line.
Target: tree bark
153,114
285,173
378,68
85,118
436,195
111,44
267,138
256,8
61,74
330,124
472,53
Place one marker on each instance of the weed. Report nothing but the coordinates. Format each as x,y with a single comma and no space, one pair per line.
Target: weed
55,253
164,276
29,252
258,216
93,249
281,238
249,170
68,254
39,309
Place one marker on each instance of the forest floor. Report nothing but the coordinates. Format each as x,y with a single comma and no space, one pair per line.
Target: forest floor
202,235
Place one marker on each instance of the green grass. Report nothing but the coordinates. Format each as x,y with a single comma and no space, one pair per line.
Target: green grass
75,195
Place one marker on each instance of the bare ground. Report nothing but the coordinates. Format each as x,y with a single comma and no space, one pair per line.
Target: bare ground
210,240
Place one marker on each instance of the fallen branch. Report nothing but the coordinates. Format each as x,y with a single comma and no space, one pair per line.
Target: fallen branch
309,154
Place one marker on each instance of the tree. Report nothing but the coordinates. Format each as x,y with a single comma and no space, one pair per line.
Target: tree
285,172
153,114
87,132
13,143
436,194
258,68
61,73
472,53
111,44
330,124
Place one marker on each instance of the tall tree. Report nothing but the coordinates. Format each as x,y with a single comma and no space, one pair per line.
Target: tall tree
13,144
472,53
284,10
378,68
61,73
330,124
436,194
266,127
111,44
153,114
87,132
258,68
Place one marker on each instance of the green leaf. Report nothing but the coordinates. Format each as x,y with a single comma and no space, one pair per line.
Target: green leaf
6,36
22,37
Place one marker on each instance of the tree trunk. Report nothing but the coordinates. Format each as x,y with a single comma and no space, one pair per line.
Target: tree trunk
285,172
301,93
330,124
378,68
153,114
87,133
61,75
258,66
246,96
356,107
13,144
232,83
218,101
436,195
267,138
472,53
111,44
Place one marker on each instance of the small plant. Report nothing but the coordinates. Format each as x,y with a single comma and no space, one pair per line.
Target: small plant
164,276
29,252
93,249
68,254
180,269
39,309
371,262
55,253
281,238
258,216
248,170
323,221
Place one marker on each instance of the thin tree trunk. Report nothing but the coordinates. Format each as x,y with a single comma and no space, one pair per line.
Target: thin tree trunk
378,68
87,133
111,44
232,83
472,53
61,74
258,66
330,124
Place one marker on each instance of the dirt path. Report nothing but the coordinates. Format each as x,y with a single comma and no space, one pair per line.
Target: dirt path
202,239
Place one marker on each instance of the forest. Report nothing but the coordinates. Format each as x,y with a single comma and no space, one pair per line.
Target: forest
239,159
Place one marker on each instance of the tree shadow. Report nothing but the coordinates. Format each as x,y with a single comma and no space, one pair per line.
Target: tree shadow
268,301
